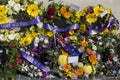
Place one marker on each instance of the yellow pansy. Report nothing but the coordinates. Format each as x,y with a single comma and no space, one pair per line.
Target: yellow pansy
74,20
2,10
87,69
91,18
3,19
71,32
77,15
62,60
98,10
49,34
33,10
82,13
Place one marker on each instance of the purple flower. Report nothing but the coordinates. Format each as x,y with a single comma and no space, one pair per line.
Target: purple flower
45,74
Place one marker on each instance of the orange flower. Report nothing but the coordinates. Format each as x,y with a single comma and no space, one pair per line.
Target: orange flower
89,51
67,67
67,15
92,58
84,43
79,72
73,74
63,9
64,53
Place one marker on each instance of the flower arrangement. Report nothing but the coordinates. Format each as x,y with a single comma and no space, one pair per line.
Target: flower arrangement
57,41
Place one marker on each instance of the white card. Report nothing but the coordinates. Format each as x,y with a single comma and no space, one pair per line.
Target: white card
75,7
73,59
103,13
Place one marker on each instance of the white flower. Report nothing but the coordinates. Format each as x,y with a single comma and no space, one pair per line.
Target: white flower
40,25
31,66
46,41
113,40
41,38
16,7
37,40
30,74
39,73
94,47
115,58
25,68
35,68
99,38
11,36
100,43
35,44
11,2
2,37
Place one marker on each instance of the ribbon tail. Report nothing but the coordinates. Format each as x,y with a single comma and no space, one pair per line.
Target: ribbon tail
35,62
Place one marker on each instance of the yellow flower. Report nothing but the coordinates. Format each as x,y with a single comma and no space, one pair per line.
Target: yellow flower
59,14
33,10
98,10
77,15
108,11
25,41
82,28
71,32
107,18
74,38
82,13
32,28
57,7
31,35
62,59
104,32
91,18
49,34
80,65
87,69
2,10
3,19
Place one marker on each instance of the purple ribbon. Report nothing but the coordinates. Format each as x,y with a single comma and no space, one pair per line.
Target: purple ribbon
63,29
70,49
20,24
35,62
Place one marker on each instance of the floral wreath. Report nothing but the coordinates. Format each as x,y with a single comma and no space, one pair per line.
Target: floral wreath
26,27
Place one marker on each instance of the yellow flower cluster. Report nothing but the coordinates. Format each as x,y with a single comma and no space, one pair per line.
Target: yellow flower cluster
3,18
27,39
33,10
